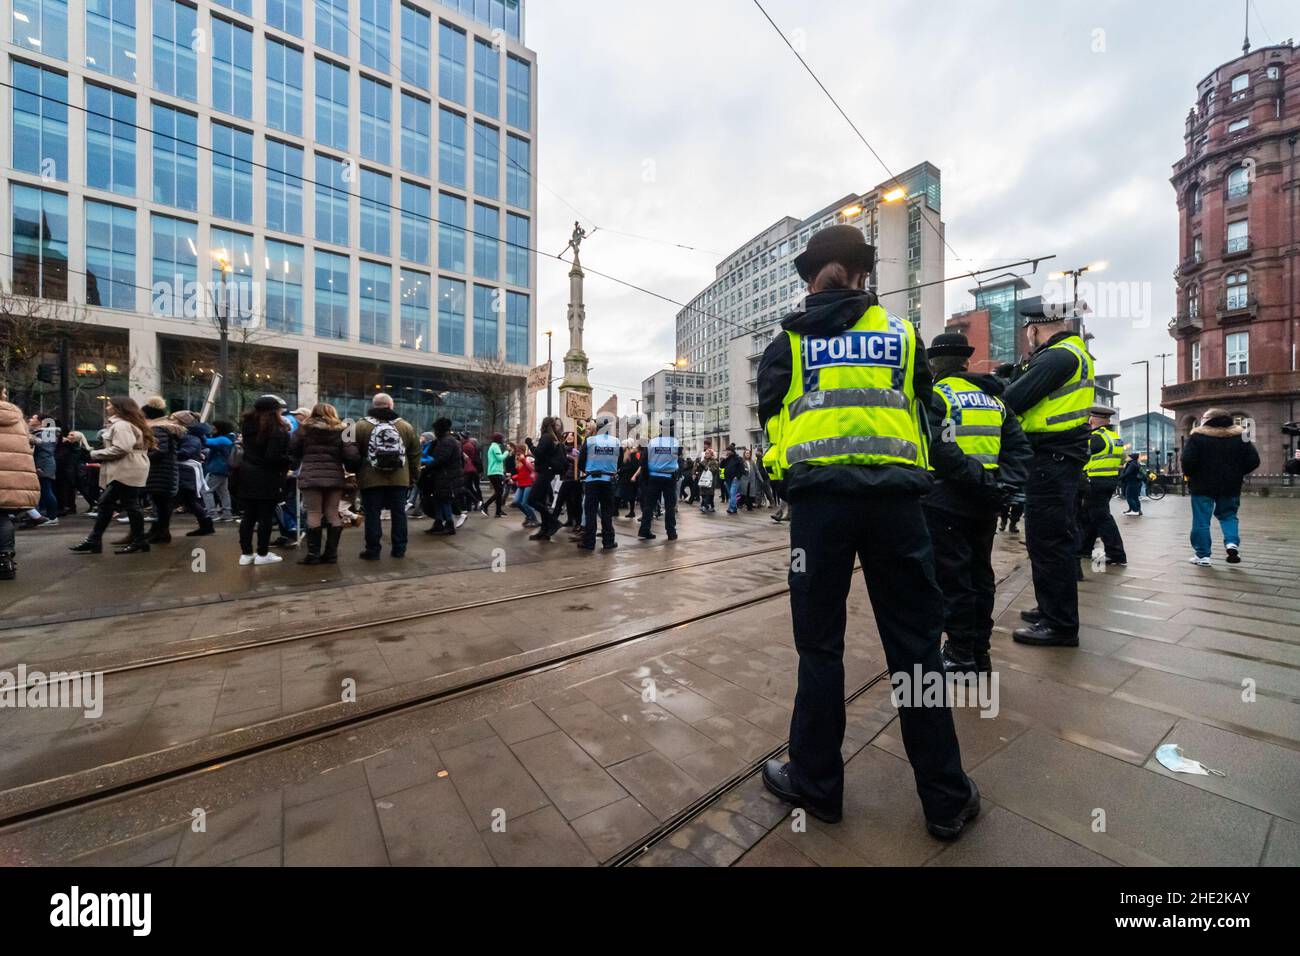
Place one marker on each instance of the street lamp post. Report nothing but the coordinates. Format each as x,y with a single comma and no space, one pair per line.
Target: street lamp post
548,373
223,335
675,365
1075,274
1147,365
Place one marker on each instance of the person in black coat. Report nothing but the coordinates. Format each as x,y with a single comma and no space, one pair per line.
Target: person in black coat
1216,458
1131,477
261,476
550,457
189,470
164,480
443,479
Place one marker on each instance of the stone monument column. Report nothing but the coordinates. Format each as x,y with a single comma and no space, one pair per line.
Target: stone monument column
575,389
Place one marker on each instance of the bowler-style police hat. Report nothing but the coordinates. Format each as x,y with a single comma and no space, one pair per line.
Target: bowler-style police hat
950,343
843,244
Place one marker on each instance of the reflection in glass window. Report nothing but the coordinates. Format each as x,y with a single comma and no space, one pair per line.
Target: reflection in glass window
332,25
376,120
517,337
517,251
110,139
518,171
451,63
376,286
283,87
175,158
415,134
331,295
110,37
451,232
175,268
175,65
232,173
415,46
451,148
376,198
331,104
285,15
40,121
487,248
1237,350
451,316
283,187
518,93
331,200
415,310
415,222
42,25
485,322
110,256
487,79
40,243
376,40
232,68
487,169
283,287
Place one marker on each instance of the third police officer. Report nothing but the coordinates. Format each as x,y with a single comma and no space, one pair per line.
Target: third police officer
660,481
1101,477
598,462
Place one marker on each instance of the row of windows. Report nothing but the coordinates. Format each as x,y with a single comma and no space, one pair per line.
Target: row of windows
40,131
1236,294
42,25
1236,184
180,289
1236,355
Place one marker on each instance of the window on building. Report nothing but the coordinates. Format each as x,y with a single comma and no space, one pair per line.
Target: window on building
415,46
1236,348
40,121
415,311
331,104
1196,361
42,25
415,221
451,232
1238,182
376,199
1198,251
517,251
518,171
175,158
451,148
232,173
175,64
487,231
232,68
1236,286
485,321
451,63
1194,301
239,6
416,122
40,243
110,37
110,256
1240,82
283,187
283,287
285,15
487,169
376,287
451,316
331,200
1237,125
517,337
376,120
331,294
332,25
175,267
487,79
283,87
232,275
110,139
519,110
1194,200
376,39
1238,236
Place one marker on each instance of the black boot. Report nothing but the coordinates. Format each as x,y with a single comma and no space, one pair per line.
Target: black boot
205,527
87,547
1043,635
7,566
135,547
313,547
331,555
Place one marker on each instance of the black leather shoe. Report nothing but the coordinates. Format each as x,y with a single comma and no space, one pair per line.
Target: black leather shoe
87,547
1032,616
983,662
957,660
369,555
951,829
646,534
586,547
672,535
1040,635
776,777
539,536
135,547
609,547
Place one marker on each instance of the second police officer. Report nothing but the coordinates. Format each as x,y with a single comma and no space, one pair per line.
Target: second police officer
1101,477
661,481
598,462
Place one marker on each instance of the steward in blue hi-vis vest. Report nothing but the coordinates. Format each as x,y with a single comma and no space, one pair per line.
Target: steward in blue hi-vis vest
602,457
662,456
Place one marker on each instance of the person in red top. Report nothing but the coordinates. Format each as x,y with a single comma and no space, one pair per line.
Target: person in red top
523,483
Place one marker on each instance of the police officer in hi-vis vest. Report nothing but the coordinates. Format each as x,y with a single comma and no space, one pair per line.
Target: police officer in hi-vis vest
598,462
850,388
660,482
1052,396
962,510
1101,477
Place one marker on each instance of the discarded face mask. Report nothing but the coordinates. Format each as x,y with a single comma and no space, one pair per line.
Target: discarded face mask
1172,758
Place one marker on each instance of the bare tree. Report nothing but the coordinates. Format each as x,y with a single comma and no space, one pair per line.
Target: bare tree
493,380
29,331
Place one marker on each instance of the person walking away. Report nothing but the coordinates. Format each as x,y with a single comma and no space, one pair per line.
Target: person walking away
123,471
851,388
445,476
733,469
1052,396
708,478
216,471
627,472
1130,482
549,460
260,479
598,462
1101,475
85,479
44,437
189,470
660,487
322,458
524,478
163,482
67,462
1217,457
496,475
388,464
473,466
20,486
980,455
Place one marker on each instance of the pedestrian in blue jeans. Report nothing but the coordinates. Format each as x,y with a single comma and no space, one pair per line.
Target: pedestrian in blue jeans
1130,481
1216,458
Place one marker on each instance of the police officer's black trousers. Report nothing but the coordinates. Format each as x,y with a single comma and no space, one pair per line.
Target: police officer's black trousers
1052,537
598,500
655,489
963,564
1096,520
889,535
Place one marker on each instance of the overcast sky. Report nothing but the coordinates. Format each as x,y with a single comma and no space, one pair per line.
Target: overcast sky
1055,124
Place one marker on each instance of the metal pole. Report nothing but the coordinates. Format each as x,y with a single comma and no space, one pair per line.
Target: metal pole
65,385
1147,366
223,361
548,375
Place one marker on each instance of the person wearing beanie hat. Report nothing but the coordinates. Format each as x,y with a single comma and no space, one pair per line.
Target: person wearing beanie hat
1131,477
1216,458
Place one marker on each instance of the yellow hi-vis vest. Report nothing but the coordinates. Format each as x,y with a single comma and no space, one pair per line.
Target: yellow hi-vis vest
975,416
772,457
851,400
1068,406
1107,462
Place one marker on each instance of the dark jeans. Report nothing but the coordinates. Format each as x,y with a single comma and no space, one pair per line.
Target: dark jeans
539,498
656,489
498,493
963,564
259,513
570,500
1095,520
118,497
1052,537
598,501
6,532
374,501
1133,495
49,503
889,535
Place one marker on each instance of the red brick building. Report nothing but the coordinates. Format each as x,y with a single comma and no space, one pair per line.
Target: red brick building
974,324
1238,193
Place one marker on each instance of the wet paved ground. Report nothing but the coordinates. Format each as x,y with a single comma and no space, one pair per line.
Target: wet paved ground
576,763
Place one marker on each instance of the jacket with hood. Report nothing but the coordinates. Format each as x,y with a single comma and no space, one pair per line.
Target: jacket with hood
260,475
320,454
163,476
1216,458
19,486
445,476
368,477
1047,370
45,445
825,314
964,486
123,458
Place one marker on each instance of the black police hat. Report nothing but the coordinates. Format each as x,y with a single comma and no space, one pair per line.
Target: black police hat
843,244
1101,411
950,343
1035,311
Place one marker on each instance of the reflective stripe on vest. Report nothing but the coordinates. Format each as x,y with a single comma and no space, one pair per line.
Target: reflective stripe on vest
602,457
663,456
772,457
1066,407
850,400
976,418
1107,462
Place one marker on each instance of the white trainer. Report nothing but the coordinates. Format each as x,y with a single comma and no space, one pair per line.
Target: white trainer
267,558
1203,562
245,559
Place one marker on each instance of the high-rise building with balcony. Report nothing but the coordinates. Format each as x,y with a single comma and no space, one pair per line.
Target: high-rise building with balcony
345,184
1238,192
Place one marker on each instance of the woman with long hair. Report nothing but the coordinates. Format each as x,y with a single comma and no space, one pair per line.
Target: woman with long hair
123,472
320,454
496,473
524,478
261,477
549,460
